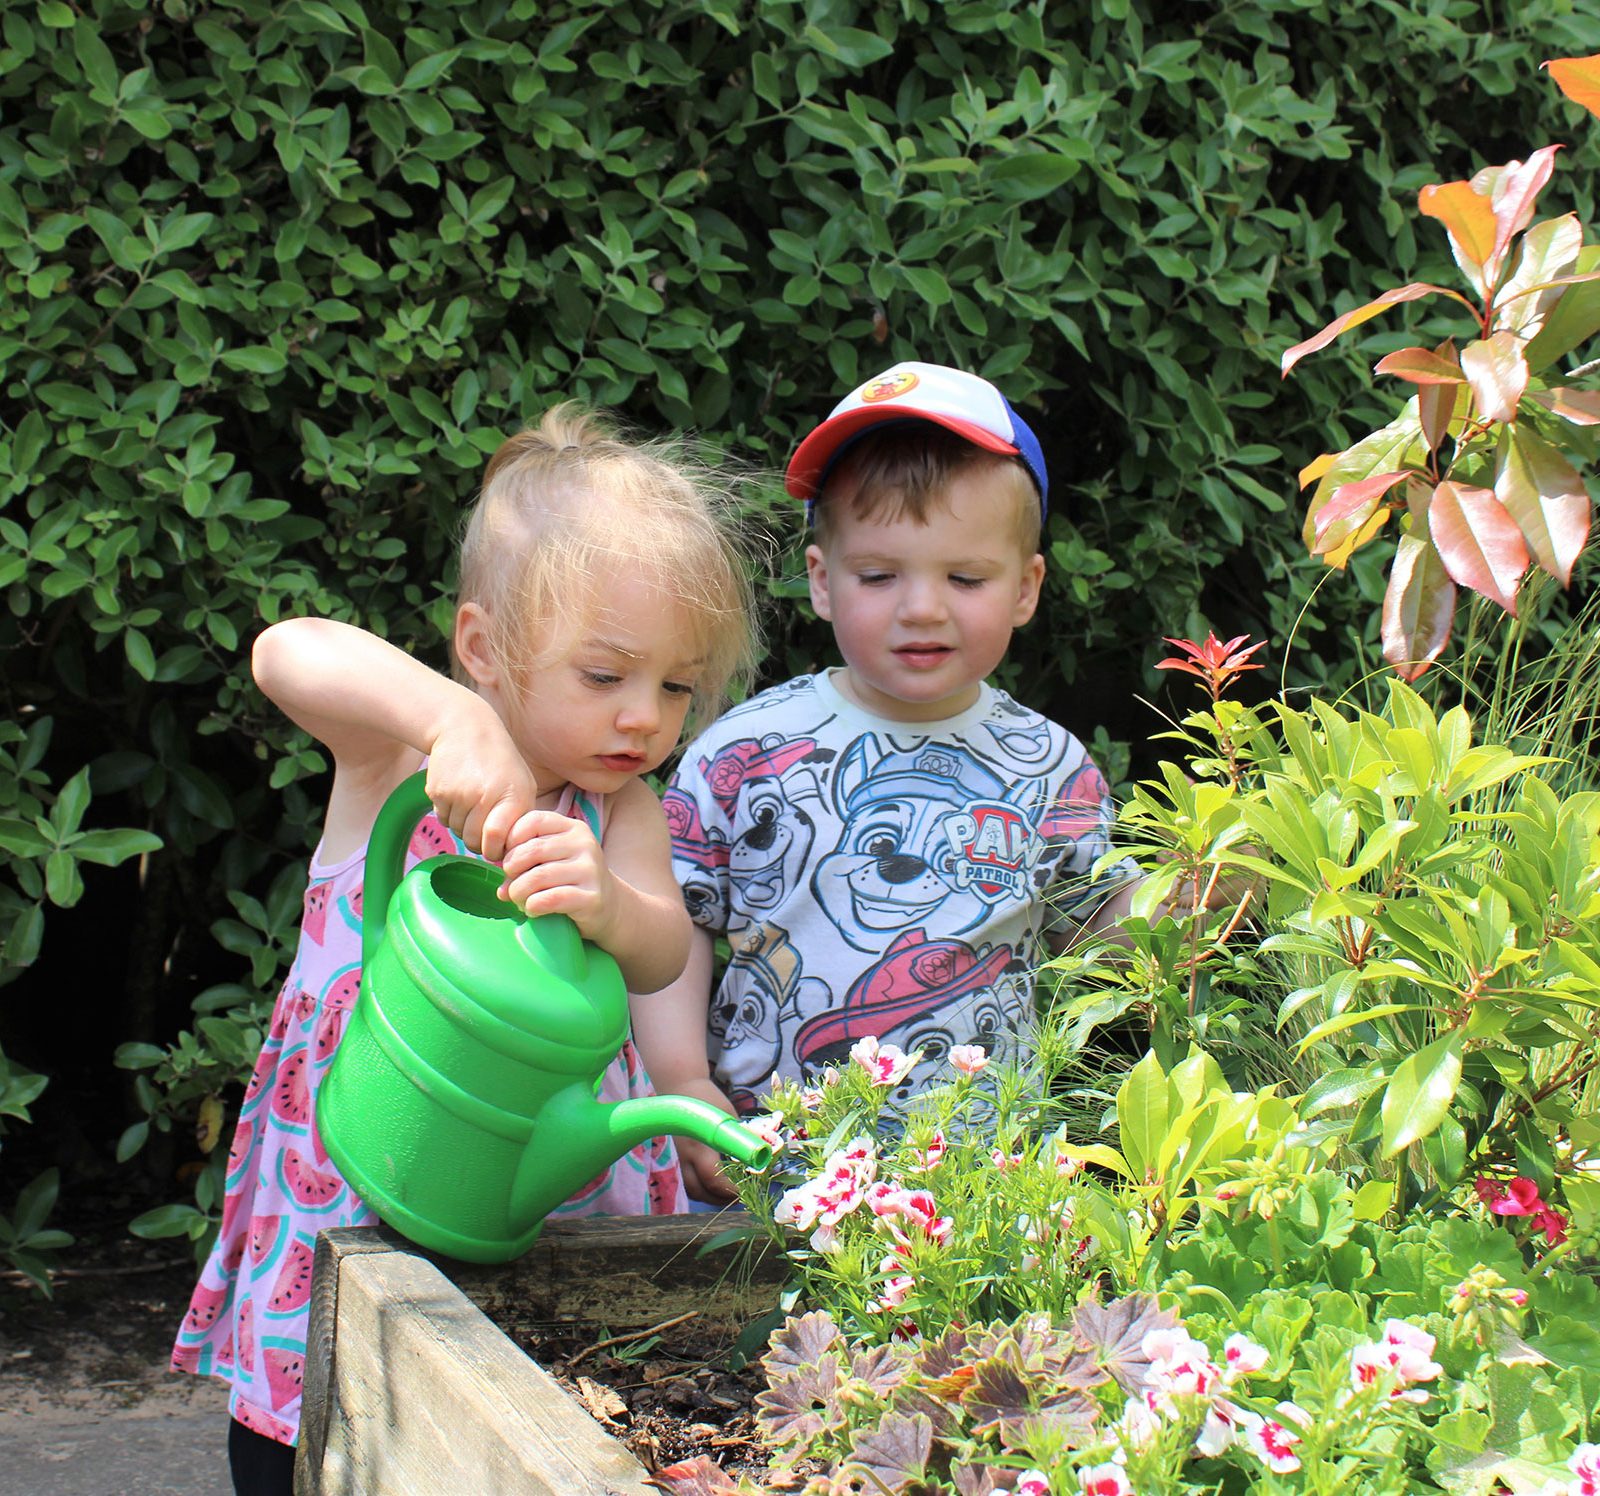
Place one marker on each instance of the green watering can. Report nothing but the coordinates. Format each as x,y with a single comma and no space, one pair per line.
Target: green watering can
461,1103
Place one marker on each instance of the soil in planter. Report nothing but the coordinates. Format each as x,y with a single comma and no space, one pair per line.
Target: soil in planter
668,1396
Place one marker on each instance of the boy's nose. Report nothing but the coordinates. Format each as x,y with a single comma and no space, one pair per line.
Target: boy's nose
922,600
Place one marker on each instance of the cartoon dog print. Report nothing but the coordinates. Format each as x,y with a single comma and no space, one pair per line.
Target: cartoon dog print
930,837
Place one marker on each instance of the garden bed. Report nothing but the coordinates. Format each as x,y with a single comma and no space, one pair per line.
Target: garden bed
578,1369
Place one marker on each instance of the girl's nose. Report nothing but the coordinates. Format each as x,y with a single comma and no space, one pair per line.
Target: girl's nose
639,712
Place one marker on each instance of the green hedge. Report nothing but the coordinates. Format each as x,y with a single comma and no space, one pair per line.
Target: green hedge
278,276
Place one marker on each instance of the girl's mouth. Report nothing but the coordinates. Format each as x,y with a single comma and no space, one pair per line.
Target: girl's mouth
623,763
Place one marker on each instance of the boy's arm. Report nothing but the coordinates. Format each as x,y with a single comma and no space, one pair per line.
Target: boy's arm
376,709
669,1030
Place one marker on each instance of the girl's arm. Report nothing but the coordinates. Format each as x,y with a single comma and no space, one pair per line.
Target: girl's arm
669,1031
623,897
379,711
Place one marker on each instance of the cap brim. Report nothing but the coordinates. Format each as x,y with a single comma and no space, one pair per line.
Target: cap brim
811,458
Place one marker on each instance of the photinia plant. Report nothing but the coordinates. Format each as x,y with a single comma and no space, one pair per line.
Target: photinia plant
1476,466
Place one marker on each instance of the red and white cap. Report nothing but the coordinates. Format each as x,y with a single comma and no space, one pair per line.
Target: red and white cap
961,402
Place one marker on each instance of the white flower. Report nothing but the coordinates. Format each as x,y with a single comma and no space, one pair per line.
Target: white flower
1271,1443
1104,1480
1242,1356
885,1063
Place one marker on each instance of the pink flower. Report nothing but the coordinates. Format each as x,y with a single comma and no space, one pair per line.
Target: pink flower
896,1289
1104,1480
1518,1296
925,1160
768,1128
885,1063
1272,1444
1401,1358
1003,1160
1520,1199
969,1059
1242,1357
1032,1483
1584,1462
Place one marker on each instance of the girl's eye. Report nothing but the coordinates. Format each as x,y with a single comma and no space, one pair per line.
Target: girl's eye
678,688
599,678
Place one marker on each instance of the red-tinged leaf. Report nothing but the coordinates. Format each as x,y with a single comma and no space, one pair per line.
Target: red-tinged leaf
1316,468
1115,1334
1351,506
1581,407
1413,292
1436,409
701,1476
800,1342
1549,251
1397,445
1498,374
1421,366
1514,196
1468,218
1417,608
1478,541
894,1453
1578,78
1547,500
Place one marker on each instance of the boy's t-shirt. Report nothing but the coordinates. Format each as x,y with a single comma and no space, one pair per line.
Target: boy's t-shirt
879,878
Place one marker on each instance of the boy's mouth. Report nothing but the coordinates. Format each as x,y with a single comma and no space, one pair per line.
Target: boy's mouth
922,654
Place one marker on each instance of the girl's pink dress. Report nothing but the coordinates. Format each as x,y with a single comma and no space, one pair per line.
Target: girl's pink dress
248,1318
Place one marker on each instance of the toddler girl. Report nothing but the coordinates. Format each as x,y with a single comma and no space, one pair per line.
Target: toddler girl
601,599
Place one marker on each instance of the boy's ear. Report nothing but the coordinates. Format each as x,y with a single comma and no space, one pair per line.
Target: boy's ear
817,575
472,645
1028,592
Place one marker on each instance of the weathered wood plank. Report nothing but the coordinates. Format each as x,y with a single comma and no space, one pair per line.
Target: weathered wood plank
427,1395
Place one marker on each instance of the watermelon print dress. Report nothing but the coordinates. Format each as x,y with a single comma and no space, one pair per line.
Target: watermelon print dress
249,1315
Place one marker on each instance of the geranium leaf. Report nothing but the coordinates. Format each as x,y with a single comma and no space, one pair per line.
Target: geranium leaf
895,1452
1498,374
701,1476
1421,366
879,1369
1000,1385
1067,1420
801,1342
800,1405
1578,78
1546,498
1418,608
1412,292
974,1480
1115,1333
1479,542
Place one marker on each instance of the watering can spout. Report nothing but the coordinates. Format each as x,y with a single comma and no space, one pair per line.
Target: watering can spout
576,1137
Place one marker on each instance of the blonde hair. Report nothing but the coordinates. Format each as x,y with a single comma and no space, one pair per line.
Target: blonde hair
569,499
902,471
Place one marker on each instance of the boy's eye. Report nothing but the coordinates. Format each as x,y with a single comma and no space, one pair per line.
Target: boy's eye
873,578
964,581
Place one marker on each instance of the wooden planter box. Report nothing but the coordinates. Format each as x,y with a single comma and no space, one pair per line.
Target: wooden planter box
413,1385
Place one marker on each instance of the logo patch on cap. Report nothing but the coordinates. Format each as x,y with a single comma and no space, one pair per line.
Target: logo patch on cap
888,386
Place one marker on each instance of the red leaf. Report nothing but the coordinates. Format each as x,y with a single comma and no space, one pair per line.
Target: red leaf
1436,408
1413,292
1581,407
1478,541
701,1476
1498,374
1515,192
1547,500
1468,217
1351,506
1417,608
1421,366
1579,79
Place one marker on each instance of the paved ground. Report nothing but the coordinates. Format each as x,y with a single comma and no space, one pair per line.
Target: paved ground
87,1406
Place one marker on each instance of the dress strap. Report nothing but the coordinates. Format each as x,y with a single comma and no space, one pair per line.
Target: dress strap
580,804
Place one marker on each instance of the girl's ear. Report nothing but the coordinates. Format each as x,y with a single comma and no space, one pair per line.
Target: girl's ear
472,645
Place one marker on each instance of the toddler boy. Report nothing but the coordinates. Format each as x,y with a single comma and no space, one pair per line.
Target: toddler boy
887,845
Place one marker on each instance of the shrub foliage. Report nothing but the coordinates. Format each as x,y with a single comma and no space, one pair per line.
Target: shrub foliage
277,276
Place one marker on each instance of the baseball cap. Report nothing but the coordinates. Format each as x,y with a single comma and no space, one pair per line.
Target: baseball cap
961,402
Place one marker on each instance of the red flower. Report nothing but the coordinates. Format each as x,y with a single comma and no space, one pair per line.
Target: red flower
1521,1198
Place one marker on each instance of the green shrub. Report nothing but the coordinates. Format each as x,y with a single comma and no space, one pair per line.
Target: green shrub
277,277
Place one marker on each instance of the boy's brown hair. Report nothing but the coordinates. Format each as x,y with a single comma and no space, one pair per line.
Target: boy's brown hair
904,471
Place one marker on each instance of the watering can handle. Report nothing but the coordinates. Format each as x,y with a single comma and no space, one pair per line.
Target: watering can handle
407,804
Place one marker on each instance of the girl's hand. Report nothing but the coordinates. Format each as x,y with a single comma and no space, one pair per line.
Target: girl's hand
479,784
554,865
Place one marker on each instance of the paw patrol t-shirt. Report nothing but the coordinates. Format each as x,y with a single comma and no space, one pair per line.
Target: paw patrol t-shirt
880,878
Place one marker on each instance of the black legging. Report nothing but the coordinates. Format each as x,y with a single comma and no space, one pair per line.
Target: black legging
260,1466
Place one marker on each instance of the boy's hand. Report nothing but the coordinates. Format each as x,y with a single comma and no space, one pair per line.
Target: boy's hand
554,865
703,1178
478,782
